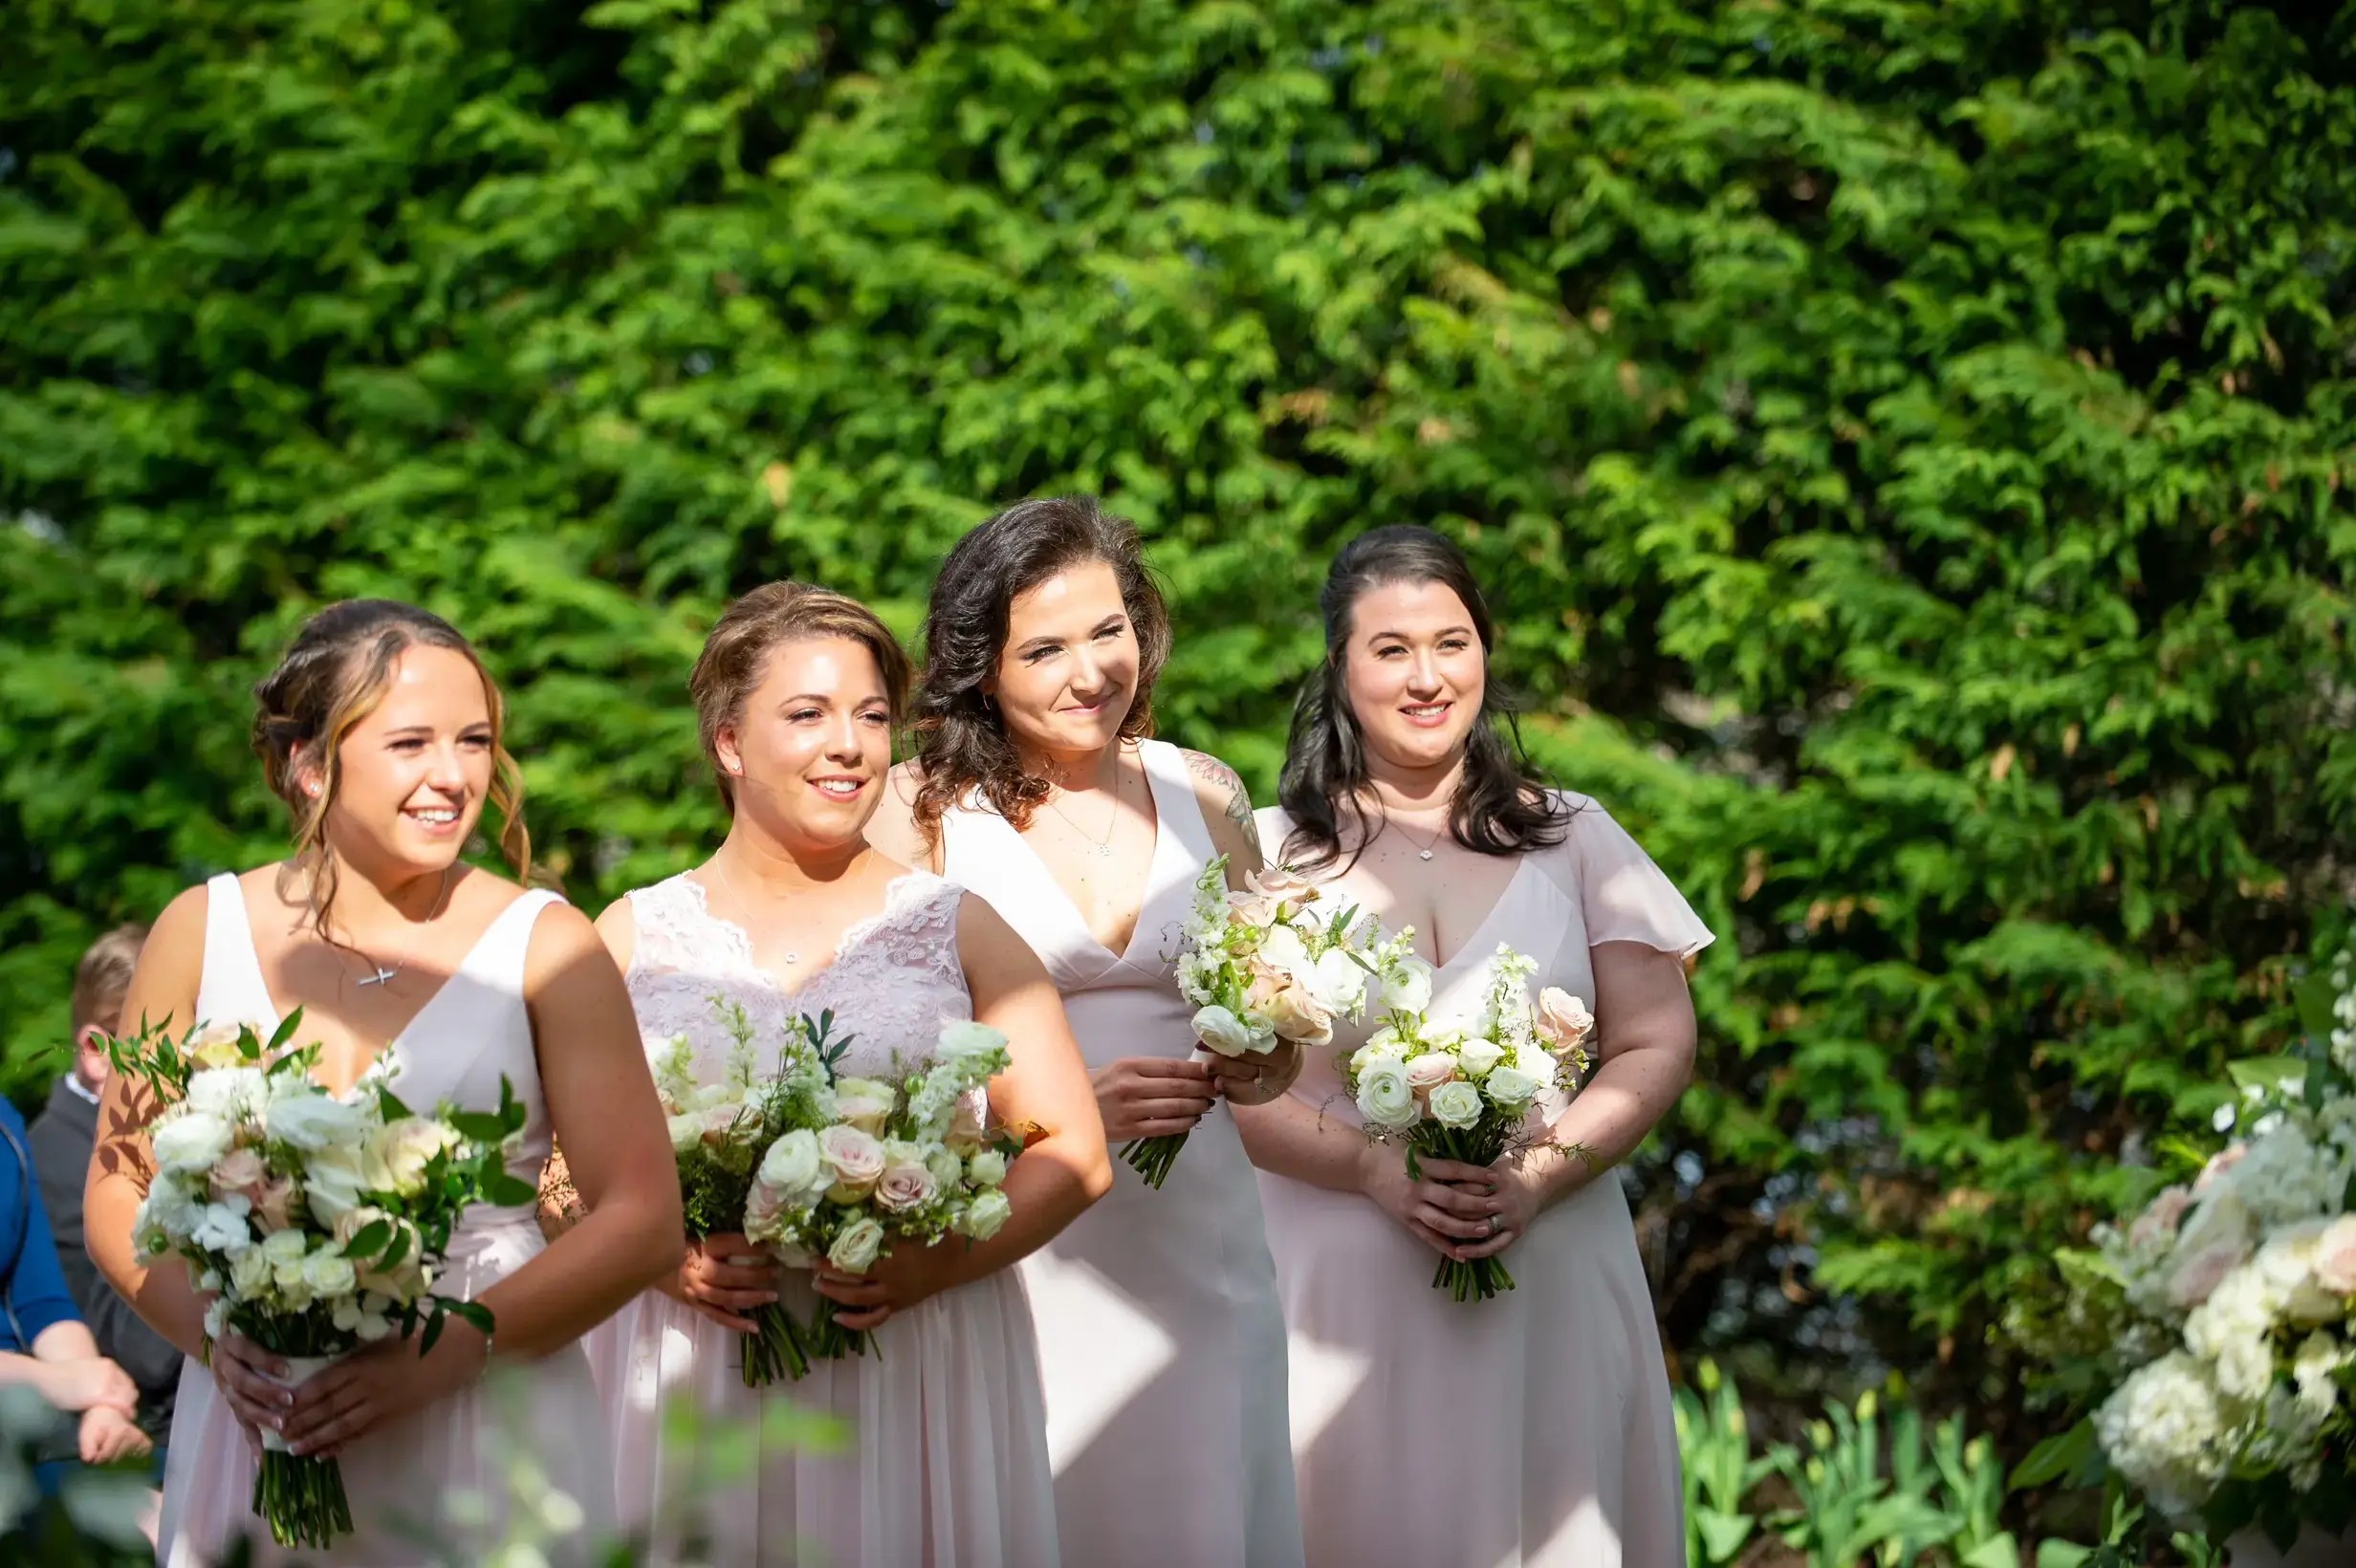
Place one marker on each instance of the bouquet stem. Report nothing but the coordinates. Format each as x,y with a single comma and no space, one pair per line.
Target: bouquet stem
1483,1277
774,1348
830,1340
301,1498
1153,1157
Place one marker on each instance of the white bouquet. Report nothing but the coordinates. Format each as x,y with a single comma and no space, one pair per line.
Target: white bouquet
867,1162
318,1224
1467,1094
2222,1316
1259,969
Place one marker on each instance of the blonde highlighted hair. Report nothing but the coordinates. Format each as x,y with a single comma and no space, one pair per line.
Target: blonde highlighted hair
104,976
333,676
736,654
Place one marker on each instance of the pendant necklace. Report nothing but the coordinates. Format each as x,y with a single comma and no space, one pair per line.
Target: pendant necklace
1423,851
1104,846
382,974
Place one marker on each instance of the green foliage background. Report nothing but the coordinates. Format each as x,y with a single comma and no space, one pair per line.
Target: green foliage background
1905,443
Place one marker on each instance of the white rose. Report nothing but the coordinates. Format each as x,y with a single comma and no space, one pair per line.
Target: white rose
793,1171
855,1249
404,1149
987,1169
969,1041
248,1273
1428,1071
1456,1104
985,1216
1282,950
1509,1087
947,1169
1336,982
866,1103
1479,1054
306,1115
1562,1019
190,1142
1407,987
906,1182
227,1092
285,1247
855,1159
1295,1014
1383,1099
1224,1032
328,1274
685,1131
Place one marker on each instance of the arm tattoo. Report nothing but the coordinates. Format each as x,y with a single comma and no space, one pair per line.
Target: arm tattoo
1238,808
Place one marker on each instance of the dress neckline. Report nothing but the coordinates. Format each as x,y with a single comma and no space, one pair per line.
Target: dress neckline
1148,759
853,936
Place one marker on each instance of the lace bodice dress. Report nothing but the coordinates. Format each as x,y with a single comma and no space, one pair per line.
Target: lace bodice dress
946,1463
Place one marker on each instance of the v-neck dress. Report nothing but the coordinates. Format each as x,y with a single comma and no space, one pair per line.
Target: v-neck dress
1536,1426
402,1477
1160,1335
945,1462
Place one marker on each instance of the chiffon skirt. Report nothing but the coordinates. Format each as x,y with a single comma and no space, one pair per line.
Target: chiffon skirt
941,1459
519,1457
1531,1431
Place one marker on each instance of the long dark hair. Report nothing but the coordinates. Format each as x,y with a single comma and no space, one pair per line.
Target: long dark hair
1502,806
962,746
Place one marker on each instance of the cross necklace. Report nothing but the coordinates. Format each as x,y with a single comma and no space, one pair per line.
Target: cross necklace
382,974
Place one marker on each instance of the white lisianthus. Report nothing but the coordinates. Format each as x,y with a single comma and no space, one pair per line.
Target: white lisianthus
1407,987
1455,1105
1223,1032
190,1142
227,1092
1479,1056
1281,950
333,1182
858,1246
1509,1088
987,1169
300,1113
986,1215
1336,982
1385,1099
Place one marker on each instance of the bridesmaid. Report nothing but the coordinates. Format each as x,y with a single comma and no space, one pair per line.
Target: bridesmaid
380,731
797,694
1034,785
1538,1422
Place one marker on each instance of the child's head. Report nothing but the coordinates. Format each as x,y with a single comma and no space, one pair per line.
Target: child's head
101,981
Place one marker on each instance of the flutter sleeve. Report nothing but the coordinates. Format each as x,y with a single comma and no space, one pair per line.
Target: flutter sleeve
1625,896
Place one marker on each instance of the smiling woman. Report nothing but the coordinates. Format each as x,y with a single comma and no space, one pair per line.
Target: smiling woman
381,732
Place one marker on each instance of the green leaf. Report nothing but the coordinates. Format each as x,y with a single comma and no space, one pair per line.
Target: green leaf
2070,1453
368,1240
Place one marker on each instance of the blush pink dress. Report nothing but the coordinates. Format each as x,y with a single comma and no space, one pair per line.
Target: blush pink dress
1159,1329
1536,1425
424,1475
945,1465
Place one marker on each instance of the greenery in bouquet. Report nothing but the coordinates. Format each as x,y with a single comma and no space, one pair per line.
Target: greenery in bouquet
868,1161
1261,968
1469,1092
317,1223
2209,1335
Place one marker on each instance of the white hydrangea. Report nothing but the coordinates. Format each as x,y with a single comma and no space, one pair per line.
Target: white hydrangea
2166,1431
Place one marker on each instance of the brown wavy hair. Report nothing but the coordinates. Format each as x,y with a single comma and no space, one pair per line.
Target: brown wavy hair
962,746
737,651
332,675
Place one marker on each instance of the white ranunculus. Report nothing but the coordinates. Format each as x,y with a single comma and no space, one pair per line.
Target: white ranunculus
793,1170
1224,1032
1383,1042
1408,988
329,1274
1336,982
987,1169
306,1115
190,1142
1479,1054
1456,1104
1384,1098
1511,1088
986,1215
856,1247
227,1092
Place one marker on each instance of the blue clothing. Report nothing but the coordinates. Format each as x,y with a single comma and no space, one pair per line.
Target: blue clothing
32,1288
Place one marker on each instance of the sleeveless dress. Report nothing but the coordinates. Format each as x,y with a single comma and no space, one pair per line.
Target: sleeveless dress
1536,1426
1158,1323
946,1463
402,1477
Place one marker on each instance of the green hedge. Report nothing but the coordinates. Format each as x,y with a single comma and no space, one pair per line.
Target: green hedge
1905,442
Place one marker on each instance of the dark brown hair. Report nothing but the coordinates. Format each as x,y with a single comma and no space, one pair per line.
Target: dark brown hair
333,673
103,975
748,631
1502,807
961,741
